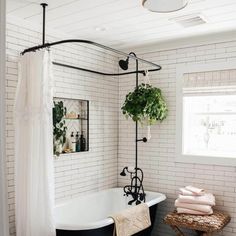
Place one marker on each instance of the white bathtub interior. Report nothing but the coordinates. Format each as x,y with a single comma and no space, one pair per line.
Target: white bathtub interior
93,210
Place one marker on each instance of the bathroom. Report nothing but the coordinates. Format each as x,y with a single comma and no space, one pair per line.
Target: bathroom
187,60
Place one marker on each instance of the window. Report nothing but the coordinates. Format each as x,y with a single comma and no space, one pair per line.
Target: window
209,125
206,114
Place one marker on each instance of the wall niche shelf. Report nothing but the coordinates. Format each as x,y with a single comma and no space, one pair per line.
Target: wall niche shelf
70,125
74,118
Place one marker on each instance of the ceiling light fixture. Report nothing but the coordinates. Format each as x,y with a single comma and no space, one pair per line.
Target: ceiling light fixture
164,6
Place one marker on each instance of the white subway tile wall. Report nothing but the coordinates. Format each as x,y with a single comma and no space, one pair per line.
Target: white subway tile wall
112,134
76,173
157,157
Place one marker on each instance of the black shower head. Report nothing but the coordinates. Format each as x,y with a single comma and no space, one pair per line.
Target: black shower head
123,171
124,64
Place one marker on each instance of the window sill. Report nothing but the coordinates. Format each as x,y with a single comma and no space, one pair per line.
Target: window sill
208,160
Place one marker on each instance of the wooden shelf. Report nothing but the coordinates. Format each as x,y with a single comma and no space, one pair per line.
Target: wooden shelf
63,153
75,118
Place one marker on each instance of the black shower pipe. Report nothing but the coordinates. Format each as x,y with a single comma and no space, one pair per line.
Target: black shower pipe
136,131
44,5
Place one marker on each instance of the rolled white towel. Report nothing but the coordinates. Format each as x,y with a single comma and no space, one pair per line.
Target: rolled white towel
192,212
206,199
195,207
197,191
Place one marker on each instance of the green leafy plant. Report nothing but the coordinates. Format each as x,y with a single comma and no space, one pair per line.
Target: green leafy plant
145,105
59,128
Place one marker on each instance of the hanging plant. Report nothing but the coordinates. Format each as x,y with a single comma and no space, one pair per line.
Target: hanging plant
145,105
59,128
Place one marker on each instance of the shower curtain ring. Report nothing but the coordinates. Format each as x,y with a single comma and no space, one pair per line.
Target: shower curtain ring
145,72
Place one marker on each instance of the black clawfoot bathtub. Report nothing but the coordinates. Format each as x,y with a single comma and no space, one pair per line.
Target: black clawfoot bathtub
88,215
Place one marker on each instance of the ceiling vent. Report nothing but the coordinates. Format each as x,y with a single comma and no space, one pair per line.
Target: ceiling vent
188,21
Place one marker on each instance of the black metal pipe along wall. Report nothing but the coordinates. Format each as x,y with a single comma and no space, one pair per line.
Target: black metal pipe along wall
136,135
44,5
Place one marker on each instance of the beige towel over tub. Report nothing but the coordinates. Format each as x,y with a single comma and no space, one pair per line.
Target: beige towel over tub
132,220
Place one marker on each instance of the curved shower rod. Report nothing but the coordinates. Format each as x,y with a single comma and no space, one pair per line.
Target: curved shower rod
48,45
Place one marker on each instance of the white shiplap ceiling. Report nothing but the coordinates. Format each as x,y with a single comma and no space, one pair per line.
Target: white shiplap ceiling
125,23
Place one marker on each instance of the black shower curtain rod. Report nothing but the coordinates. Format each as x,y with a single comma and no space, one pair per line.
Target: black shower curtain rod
48,45
102,73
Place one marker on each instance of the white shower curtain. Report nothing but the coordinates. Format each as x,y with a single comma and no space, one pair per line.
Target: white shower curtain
34,146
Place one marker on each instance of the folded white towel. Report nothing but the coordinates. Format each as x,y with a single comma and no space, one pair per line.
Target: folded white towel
206,199
185,192
192,212
195,207
197,191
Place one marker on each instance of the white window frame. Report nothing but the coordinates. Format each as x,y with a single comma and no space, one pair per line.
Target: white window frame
4,225
180,72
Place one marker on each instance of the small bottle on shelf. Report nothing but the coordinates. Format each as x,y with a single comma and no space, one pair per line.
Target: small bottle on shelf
73,143
77,142
69,144
82,142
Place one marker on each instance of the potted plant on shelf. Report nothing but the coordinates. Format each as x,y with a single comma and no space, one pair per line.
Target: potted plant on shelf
145,105
59,128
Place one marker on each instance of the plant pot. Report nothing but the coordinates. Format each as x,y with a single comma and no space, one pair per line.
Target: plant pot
58,147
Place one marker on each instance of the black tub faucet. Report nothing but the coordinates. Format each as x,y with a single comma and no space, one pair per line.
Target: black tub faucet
135,189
